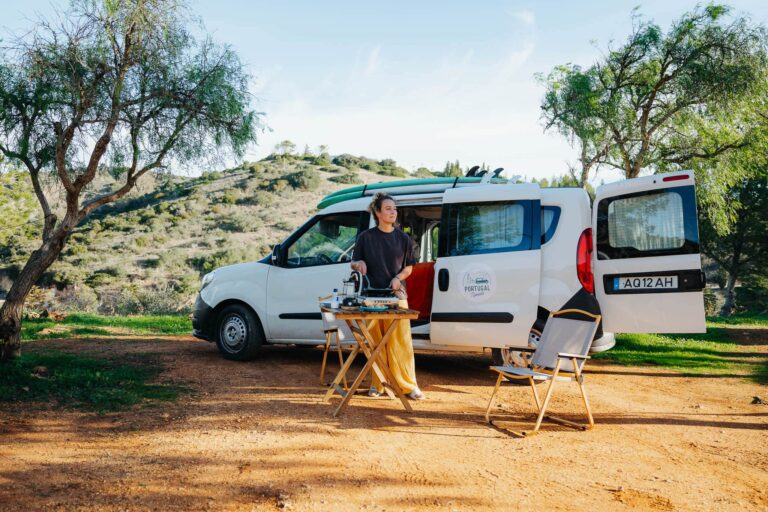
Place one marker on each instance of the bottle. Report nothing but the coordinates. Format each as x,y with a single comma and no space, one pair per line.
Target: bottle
335,299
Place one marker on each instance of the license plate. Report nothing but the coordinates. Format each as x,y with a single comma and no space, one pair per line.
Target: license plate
645,283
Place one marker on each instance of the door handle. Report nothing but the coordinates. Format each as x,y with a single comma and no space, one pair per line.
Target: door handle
442,279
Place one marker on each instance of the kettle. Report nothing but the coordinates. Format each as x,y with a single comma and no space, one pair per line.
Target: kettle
356,284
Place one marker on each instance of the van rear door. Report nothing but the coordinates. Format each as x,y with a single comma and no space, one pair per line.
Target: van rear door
487,272
647,265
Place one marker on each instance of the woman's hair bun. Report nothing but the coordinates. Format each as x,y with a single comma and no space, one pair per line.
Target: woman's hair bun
378,199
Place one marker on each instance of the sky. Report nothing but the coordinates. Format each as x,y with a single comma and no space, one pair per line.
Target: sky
421,82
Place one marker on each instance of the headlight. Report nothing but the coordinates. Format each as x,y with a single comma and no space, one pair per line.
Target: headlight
207,279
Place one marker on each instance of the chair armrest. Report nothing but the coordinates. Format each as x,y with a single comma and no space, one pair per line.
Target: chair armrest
572,356
523,349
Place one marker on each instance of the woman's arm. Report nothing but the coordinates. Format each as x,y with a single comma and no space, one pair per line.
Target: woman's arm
400,277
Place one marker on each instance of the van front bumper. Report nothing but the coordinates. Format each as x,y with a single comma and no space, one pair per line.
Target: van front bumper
203,321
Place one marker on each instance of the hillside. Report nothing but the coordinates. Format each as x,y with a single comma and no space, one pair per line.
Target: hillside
147,252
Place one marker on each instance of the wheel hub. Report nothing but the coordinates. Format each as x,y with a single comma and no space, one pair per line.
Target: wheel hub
521,359
233,333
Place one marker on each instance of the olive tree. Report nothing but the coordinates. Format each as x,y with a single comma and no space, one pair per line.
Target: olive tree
636,95
112,84
569,105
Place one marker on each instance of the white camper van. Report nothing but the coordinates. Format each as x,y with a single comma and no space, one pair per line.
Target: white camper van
494,259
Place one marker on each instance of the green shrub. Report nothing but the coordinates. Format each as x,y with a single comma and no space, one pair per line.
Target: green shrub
79,298
348,161
239,223
105,277
146,214
372,166
279,185
209,176
74,248
258,198
149,263
306,179
142,241
348,178
751,298
322,159
711,303
204,263
284,225
230,196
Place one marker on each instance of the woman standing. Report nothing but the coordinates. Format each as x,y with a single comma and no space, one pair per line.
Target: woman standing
386,255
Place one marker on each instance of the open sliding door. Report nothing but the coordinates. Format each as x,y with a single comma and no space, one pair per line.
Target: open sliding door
487,272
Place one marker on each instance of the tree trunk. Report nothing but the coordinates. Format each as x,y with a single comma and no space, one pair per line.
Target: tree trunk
11,311
729,299
584,179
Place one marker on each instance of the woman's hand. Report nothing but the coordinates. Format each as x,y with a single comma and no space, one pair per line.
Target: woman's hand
360,267
395,283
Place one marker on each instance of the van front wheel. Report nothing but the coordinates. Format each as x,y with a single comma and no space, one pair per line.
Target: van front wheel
512,357
238,333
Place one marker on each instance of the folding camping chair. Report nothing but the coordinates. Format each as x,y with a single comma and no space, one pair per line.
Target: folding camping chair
560,356
335,334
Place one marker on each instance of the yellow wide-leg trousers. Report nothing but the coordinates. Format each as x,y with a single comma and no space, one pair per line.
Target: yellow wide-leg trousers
398,353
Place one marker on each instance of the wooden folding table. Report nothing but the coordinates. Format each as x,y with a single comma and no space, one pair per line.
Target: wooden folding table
358,324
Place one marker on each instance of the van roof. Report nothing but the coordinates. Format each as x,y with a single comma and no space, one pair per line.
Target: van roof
401,187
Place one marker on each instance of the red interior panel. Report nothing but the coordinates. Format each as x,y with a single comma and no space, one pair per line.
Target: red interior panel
420,285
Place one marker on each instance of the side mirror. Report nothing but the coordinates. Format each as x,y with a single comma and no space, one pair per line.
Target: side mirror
276,254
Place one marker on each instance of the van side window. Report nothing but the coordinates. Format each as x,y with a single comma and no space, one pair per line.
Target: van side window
550,216
326,240
648,224
479,228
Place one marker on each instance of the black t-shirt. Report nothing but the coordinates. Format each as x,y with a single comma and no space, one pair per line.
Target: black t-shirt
384,254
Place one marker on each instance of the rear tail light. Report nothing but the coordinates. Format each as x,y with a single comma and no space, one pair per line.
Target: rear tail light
676,178
584,261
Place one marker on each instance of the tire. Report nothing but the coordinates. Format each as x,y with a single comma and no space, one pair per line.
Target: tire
511,357
239,334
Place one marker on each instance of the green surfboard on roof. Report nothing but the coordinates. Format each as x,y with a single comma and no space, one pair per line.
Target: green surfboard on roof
417,184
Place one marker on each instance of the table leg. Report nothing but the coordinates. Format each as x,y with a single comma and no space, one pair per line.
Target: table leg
342,373
390,379
385,379
367,368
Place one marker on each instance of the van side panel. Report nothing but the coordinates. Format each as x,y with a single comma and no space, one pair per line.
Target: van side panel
245,282
559,281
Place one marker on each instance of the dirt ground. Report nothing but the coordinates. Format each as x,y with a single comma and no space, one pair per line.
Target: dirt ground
257,436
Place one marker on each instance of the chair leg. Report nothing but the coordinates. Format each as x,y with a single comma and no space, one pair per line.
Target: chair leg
547,397
325,357
535,393
580,382
493,395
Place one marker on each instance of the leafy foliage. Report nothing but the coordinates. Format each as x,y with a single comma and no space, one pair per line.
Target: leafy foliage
306,179
743,252
626,110
348,178
122,87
